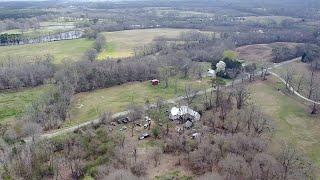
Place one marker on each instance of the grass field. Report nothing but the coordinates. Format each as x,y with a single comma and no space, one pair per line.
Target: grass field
122,43
88,106
293,122
45,28
299,70
13,104
119,44
68,49
269,19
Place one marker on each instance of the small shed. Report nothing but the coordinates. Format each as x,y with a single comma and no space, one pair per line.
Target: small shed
155,82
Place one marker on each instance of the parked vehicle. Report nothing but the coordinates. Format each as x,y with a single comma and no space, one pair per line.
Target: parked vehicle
144,136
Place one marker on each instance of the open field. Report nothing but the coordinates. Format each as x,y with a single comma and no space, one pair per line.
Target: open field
183,13
68,49
122,43
270,19
293,123
13,104
119,44
45,28
88,106
261,53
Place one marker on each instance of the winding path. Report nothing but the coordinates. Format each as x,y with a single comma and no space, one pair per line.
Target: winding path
292,89
124,113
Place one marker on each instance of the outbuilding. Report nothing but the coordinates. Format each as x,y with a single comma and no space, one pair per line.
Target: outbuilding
211,73
155,82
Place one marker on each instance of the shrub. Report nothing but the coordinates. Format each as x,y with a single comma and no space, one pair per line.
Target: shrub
155,132
138,169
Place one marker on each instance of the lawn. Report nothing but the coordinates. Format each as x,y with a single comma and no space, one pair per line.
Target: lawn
122,43
299,70
68,49
293,122
88,106
13,104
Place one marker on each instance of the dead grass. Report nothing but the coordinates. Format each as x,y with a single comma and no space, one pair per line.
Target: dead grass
122,43
261,53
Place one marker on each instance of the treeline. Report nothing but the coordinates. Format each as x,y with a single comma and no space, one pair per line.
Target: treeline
293,35
15,74
10,38
88,76
22,23
20,13
19,39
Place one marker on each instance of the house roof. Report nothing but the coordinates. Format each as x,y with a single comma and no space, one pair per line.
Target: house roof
176,113
211,71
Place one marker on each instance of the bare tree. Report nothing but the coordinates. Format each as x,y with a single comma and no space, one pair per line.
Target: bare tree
265,166
242,96
288,77
135,113
156,156
100,42
251,69
294,164
235,167
311,82
165,73
316,98
300,81
190,94
91,54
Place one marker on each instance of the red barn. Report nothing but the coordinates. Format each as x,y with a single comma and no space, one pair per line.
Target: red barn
155,82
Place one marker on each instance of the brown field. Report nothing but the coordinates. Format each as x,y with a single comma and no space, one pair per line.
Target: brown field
261,53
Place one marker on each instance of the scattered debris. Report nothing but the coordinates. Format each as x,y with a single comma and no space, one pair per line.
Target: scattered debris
80,106
123,120
188,124
147,118
123,128
146,126
195,135
179,129
113,123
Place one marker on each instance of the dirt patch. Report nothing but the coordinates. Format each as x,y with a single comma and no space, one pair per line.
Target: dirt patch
261,53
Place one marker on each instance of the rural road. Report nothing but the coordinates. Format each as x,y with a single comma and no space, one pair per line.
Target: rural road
124,113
